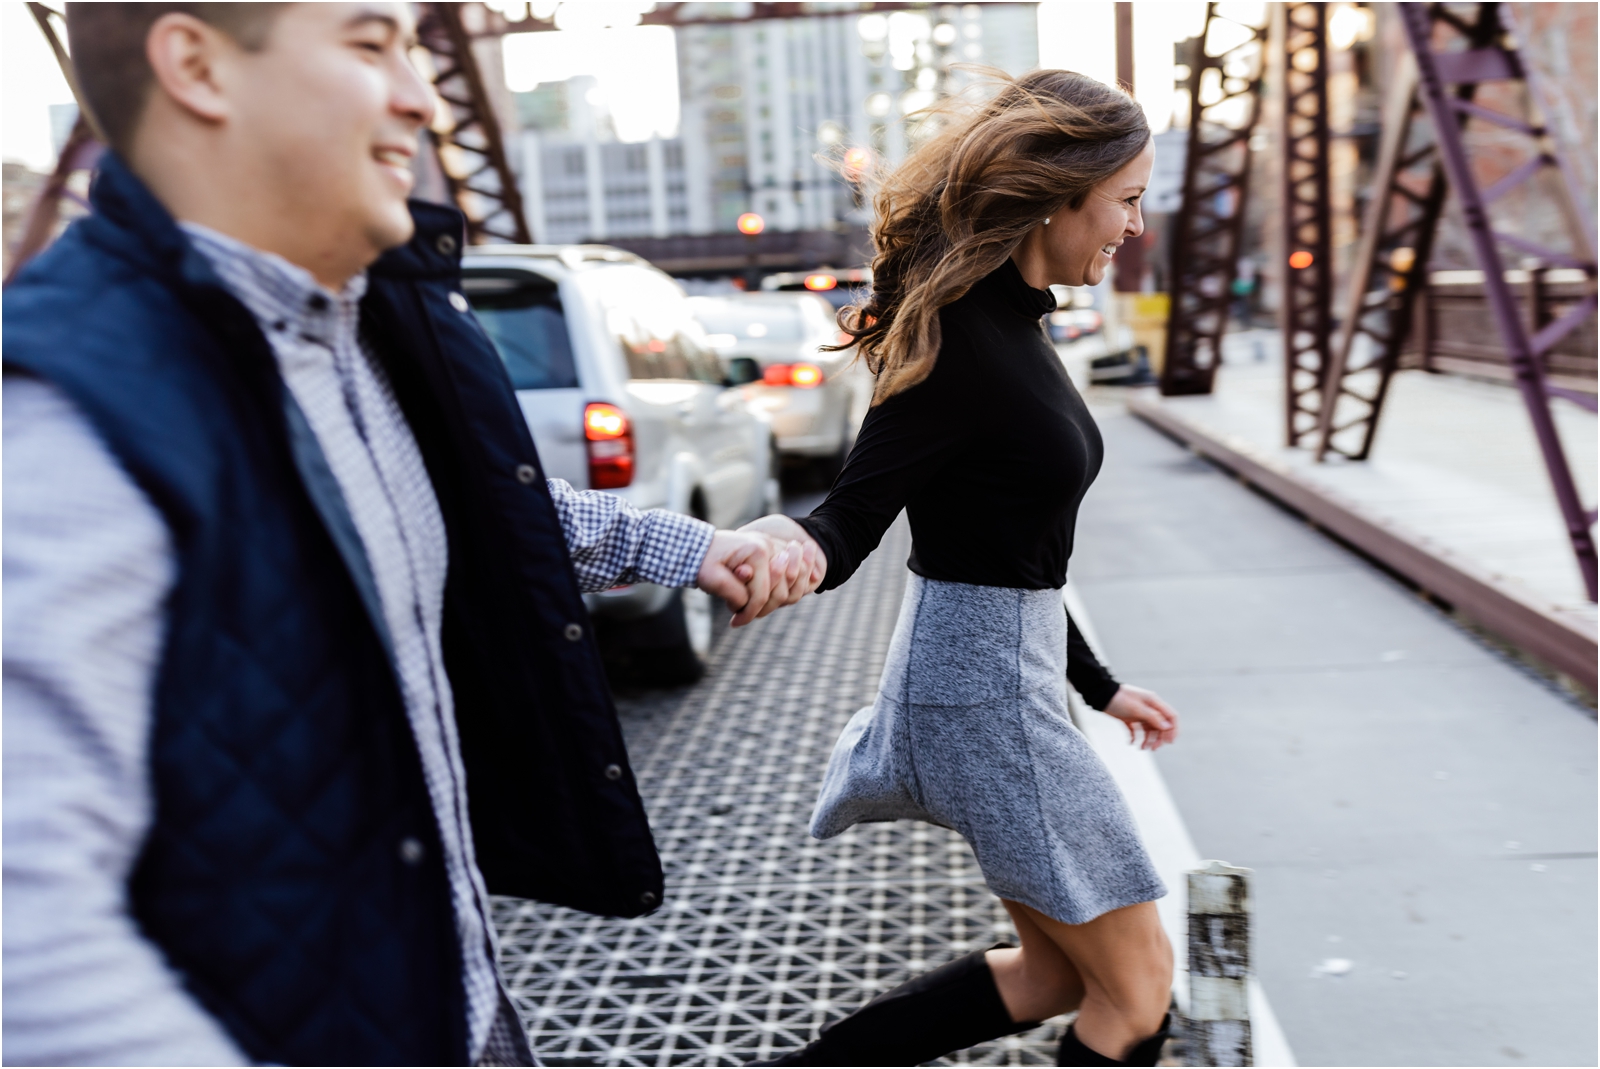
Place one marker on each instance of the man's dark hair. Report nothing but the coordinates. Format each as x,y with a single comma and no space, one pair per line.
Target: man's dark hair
107,43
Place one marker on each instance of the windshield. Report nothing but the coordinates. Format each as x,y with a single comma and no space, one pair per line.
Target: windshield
524,320
765,321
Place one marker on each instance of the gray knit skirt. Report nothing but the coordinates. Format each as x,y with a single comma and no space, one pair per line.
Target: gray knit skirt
970,731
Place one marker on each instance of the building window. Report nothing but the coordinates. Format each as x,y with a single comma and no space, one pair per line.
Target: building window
574,161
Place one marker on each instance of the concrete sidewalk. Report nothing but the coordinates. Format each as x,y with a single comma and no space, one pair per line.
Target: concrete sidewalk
1420,812
1455,496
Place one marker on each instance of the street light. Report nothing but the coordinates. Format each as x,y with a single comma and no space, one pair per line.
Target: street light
751,225
856,163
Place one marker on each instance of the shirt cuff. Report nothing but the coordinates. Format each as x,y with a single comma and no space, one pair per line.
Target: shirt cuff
672,548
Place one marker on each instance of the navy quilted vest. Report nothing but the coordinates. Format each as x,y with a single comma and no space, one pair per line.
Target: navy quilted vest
284,771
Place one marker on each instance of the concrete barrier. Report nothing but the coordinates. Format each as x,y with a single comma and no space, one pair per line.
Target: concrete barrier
1217,1027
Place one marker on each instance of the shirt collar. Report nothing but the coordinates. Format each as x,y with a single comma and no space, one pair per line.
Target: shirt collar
1006,285
281,295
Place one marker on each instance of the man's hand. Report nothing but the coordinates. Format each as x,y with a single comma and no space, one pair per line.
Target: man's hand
1142,710
738,569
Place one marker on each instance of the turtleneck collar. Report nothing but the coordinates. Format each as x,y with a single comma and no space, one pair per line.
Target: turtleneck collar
1006,286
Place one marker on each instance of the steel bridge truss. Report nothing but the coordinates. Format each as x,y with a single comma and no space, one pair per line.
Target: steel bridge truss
1225,67
471,149
1453,56
1391,266
1308,270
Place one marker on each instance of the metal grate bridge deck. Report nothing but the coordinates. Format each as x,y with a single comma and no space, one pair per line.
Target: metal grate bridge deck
766,933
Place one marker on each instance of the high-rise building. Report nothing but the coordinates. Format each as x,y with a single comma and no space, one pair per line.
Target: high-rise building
773,110
770,107
581,184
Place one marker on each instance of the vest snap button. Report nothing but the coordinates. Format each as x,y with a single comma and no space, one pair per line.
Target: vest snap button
526,474
573,632
446,244
412,850
613,772
458,302
647,899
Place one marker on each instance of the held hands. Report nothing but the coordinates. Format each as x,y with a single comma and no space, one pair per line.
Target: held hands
800,562
1142,711
758,569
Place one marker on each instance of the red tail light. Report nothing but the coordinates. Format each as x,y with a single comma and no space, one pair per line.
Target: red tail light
610,438
804,376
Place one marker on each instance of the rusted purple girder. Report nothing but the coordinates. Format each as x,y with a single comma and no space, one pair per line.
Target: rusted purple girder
473,152
1308,273
1437,73
1224,86
1391,266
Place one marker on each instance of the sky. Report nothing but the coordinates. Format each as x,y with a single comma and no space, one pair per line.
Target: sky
636,67
30,81
1082,37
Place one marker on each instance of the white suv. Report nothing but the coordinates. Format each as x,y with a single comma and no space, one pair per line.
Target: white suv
621,393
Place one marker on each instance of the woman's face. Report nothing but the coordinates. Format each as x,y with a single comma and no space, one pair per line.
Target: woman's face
1077,244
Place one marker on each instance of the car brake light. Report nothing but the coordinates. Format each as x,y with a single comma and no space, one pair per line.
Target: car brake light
805,376
610,438
821,282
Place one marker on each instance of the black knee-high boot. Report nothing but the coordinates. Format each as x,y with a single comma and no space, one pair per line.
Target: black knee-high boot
951,1008
1073,1052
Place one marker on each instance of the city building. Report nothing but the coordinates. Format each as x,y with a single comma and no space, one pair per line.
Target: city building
581,184
775,112
772,108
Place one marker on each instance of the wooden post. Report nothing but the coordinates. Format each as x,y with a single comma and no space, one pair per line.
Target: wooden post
1217,1027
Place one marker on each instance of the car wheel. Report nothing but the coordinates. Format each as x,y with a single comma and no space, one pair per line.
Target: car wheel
670,648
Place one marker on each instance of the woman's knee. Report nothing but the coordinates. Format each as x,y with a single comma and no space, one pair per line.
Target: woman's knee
1127,962
1138,988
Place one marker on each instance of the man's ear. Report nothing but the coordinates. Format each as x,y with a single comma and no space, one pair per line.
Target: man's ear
184,54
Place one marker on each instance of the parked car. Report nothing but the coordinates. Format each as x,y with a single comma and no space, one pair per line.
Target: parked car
838,287
814,399
1074,323
621,392
1075,315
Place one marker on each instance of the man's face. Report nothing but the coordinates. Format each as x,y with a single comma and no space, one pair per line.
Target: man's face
334,108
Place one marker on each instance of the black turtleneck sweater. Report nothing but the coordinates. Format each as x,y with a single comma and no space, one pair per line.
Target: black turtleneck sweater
989,456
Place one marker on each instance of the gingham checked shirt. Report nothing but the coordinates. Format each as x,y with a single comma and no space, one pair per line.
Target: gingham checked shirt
352,411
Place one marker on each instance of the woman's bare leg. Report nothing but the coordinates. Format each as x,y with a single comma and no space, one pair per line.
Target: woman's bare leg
1123,965
1036,980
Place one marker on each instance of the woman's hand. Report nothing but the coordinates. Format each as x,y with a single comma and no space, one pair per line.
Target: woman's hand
798,565
1143,710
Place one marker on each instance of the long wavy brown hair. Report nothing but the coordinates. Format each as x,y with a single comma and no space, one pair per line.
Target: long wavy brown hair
962,202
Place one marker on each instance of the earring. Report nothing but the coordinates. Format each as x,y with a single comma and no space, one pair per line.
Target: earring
1047,220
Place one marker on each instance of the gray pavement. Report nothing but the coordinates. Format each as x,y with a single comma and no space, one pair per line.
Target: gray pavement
1419,810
